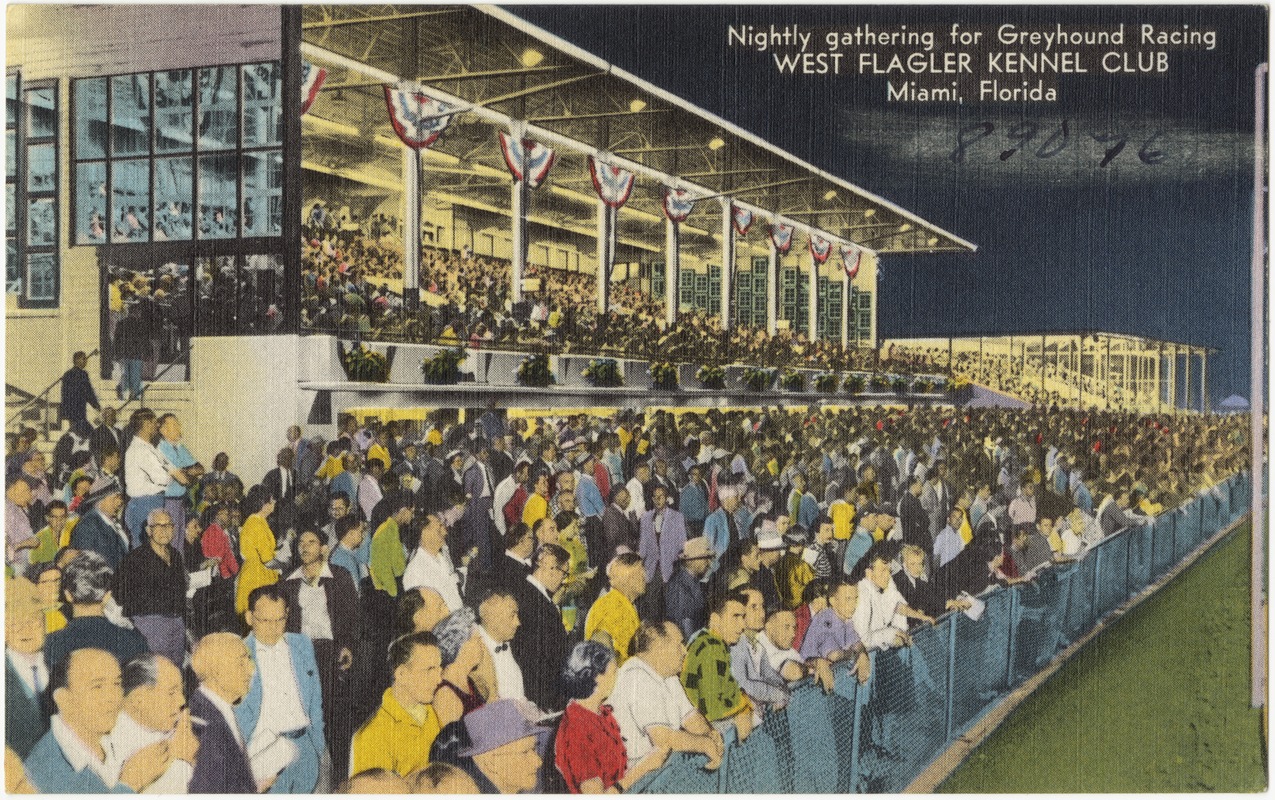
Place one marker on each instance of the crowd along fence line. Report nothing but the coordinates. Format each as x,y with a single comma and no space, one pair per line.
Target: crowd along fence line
879,736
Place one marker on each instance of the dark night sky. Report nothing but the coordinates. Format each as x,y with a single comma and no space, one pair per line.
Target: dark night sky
1160,250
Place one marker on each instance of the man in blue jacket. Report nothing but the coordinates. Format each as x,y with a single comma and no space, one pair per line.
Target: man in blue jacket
285,698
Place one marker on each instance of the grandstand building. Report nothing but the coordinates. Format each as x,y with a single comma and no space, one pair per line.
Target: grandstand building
214,162
1102,370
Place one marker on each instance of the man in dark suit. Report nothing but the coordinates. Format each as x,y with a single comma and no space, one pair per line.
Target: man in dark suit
912,515
618,528
99,529
224,668
281,482
515,565
334,652
77,393
541,644
105,435
500,463
26,674
936,498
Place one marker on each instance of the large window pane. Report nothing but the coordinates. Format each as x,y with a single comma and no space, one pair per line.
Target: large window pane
12,268
263,194
10,154
262,117
42,163
173,193
218,108
174,109
218,204
42,112
11,101
130,201
10,210
41,223
42,276
90,118
131,115
90,203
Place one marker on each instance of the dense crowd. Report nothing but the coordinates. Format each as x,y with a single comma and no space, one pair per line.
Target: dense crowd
516,604
352,288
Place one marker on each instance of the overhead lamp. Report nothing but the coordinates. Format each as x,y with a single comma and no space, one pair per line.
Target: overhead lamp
531,58
717,144
830,194
933,241
869,212
905,227
637,105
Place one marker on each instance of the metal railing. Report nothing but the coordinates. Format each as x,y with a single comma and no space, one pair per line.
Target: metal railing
46,409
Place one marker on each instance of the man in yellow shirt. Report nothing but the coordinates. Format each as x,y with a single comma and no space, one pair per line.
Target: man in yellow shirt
398,737
613,619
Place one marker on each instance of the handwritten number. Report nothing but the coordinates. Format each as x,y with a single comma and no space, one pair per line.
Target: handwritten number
1114,150
1149,156
984,129
1020,134
1049,149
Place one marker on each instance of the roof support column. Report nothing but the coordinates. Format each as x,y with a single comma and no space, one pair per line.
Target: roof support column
411,227
1186,403
846,288
728,261
1204,381
606,255
812,317
518,218
672,270
772,288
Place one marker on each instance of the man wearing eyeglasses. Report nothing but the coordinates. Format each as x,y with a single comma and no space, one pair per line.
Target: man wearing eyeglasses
151,588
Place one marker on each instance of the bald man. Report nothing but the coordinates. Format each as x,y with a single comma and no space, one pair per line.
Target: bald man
224,668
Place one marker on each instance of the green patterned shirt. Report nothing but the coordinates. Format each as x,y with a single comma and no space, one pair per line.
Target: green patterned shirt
708,680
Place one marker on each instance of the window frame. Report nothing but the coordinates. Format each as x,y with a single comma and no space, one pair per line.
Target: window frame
23,195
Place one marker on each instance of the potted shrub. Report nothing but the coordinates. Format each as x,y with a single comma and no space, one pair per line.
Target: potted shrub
756,378
879,383
364,365
534,371
663,376
827,382
443,368
603,372
855,384
923,386
899,385
711,377
792,380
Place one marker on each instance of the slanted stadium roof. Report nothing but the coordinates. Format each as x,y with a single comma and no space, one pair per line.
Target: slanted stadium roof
492,61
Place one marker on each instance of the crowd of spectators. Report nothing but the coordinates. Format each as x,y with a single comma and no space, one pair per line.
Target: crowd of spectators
519,604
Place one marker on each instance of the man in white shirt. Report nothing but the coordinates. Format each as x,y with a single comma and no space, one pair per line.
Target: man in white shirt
147,473
651,706
505,491
370,486
498,622
948,544
285,699
153,702
431,565
637,489
880,617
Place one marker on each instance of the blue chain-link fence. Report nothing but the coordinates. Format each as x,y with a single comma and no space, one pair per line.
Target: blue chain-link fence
878,736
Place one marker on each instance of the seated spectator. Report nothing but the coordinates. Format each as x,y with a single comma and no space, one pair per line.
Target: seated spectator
650,704
684,594
832,634
589,749
613,619
47,579
99,529
710,685
86,585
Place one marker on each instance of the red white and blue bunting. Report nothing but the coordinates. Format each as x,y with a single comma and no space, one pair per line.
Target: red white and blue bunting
418,119
311,81
781,237
526,159
613,185
678,204
850,257
741,218
820,249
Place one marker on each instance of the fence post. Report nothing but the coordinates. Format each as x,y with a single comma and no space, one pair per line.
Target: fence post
951,675
861,691
1093,589
1013,629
